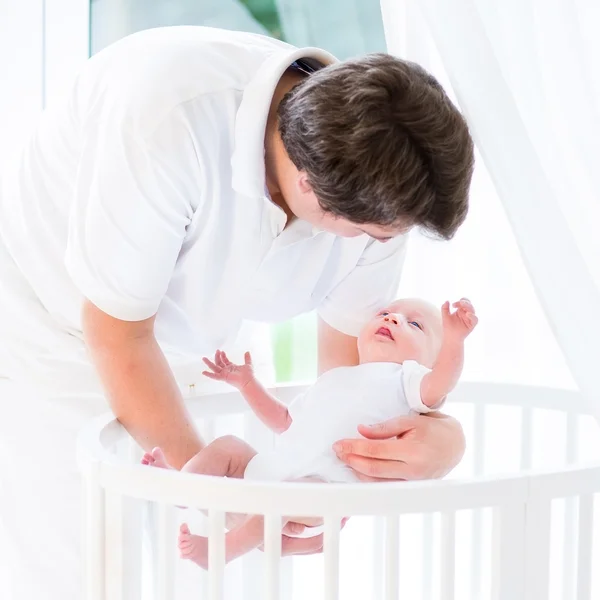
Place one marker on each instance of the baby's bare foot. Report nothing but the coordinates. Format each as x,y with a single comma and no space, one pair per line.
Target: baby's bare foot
156,458
193,547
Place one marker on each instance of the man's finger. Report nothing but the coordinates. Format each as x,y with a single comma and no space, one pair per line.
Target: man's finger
292,528
311,545
393,428
383,449
377,469
367,479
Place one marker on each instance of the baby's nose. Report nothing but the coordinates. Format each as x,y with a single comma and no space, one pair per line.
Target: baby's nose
391,318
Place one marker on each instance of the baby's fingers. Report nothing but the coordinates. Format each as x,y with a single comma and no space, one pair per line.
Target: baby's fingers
445,310
222,359
472,320
211,365
219,359
216,376
465,304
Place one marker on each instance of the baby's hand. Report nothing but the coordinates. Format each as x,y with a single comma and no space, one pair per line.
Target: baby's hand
224,370
459,324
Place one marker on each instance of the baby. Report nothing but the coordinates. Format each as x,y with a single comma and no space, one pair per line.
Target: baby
411,357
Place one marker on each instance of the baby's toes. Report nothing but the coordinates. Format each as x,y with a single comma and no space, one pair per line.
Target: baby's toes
147,459
185,549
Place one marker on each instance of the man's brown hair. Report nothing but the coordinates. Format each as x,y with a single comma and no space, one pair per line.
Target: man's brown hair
381,143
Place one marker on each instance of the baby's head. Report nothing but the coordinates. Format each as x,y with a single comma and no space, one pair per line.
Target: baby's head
409,329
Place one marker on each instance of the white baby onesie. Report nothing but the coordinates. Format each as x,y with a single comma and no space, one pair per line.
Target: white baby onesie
331,410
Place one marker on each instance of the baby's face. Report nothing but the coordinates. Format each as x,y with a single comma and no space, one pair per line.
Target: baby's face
409,329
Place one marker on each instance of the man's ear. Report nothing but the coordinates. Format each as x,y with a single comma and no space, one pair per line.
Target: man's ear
303,183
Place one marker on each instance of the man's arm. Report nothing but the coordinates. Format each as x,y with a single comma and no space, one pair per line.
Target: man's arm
335,349
139,384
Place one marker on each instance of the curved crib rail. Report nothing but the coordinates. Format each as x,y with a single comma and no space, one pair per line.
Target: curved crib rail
521,504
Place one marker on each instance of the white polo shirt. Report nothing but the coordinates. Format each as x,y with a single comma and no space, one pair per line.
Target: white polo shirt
145,192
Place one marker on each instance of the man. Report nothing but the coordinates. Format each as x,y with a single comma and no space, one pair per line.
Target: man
193,180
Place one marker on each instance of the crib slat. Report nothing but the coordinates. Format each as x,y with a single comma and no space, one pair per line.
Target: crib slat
427,580
208,429
123,518
273,556
392,557
260,438
508,556
479,434
584,554
526,438
537,561
570,532
448,547
164,552
569,547
216,554
331,549
94,524
378,553
123,532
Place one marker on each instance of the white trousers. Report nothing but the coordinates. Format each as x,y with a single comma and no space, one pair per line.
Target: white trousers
40,493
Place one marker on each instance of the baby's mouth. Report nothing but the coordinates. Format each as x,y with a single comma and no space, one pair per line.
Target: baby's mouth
384,331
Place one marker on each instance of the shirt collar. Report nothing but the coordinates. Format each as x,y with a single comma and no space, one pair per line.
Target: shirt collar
248,161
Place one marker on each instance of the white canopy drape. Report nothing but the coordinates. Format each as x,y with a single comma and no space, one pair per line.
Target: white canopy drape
526,74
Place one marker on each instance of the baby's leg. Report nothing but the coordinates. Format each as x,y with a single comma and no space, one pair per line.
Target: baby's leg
227,456
238,541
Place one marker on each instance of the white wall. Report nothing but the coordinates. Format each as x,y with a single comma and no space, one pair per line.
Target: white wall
42,44
21,69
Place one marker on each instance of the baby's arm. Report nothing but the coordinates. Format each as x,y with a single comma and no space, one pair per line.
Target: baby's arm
265,406
447,369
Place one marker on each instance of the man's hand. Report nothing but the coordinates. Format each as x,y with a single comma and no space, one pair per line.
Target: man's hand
311,545
239,376
405,448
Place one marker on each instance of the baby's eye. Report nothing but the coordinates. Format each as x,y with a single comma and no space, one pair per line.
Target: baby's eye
415,324
384,313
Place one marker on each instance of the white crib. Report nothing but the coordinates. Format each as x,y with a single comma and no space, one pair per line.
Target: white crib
523,535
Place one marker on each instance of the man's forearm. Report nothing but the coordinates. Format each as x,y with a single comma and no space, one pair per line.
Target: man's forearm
144,396
335,349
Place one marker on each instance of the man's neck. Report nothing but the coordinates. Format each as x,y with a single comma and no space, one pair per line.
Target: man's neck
274,151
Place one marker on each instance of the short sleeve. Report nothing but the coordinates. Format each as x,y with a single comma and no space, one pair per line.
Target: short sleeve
412,376
369,286
134,198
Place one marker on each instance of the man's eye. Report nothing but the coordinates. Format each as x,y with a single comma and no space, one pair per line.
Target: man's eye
416,324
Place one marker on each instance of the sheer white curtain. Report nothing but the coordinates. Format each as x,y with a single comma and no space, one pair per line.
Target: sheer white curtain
526,74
